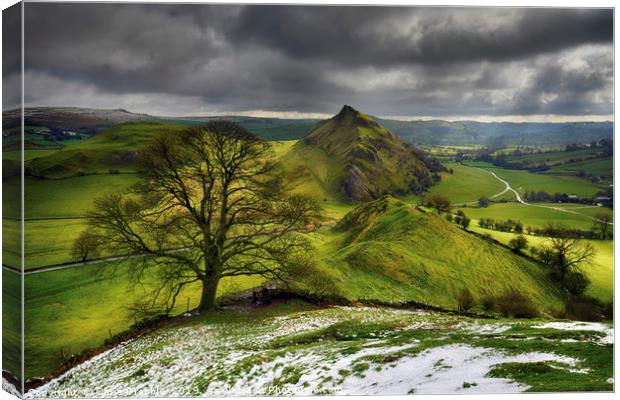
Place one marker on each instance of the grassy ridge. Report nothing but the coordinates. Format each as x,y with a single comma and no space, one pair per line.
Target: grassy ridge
390,251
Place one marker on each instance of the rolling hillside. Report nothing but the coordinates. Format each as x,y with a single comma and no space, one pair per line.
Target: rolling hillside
354,157
390,251
115,149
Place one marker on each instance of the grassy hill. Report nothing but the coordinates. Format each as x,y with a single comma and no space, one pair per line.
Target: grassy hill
112,150
361,160
390,251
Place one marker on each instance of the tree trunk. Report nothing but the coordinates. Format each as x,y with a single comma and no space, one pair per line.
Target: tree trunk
209,290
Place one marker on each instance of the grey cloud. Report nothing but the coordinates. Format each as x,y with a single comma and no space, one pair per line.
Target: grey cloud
421,61
427,35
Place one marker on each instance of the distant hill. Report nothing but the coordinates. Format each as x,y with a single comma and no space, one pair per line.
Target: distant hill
498,134
83,120
363,159
268,128
49,126
390,251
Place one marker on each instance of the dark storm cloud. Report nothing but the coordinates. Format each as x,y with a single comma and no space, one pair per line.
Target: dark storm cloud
386,60
409,35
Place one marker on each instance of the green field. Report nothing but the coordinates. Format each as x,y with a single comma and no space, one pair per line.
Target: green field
466,184
11,321
11,242
49,242
29,154
72,310
522,180
603,167
537,216
555,157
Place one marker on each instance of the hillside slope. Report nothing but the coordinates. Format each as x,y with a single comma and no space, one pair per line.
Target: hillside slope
114,149
356,158
391,251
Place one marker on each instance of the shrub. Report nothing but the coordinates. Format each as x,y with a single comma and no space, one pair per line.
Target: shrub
438,201
514,304
575,282
308,278
488,302
462,219
585,308
465,300
518,243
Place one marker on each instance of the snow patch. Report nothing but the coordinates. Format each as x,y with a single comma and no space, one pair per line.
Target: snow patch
9,387
446,369
582,326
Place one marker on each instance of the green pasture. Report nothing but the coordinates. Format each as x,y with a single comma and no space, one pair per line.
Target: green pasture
11,242
11,322
29,154
555,157
466,184
537,216
522,180
598,166
72,309
113,149
72,197
62,198
49,242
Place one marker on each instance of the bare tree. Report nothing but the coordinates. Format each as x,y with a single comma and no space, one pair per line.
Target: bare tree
85,246
565,254
602,223
209,205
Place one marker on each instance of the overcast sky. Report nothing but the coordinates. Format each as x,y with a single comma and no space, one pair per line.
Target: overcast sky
297,60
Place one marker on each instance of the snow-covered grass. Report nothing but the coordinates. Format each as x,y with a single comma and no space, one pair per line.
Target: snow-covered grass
582,326
10,388
340,350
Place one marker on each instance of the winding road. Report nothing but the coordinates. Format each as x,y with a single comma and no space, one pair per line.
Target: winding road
509,188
